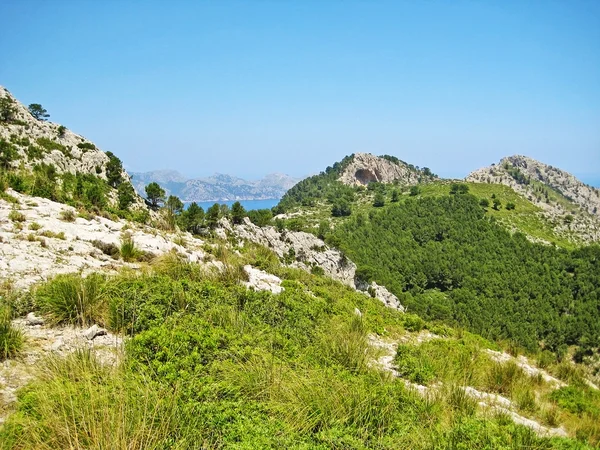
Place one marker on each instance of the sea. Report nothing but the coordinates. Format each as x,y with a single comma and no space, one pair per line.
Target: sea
247,204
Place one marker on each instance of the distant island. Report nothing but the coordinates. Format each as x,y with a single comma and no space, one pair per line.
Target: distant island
216,188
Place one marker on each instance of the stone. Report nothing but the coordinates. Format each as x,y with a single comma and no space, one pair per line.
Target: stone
31,319
366,168
94,331
262,281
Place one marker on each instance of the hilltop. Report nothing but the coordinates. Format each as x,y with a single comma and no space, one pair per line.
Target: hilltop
45,159
571,206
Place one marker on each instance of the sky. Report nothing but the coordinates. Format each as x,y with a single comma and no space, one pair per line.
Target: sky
255,87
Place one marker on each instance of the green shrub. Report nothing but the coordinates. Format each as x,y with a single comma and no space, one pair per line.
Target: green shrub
67,215
86,146
578,400
411,363
49,144
71,299
16,216
128,250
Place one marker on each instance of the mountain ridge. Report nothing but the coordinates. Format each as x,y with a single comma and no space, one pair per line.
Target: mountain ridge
216,187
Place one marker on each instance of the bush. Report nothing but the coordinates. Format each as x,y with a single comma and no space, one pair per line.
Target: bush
128,250
67,215
86,146
71,299
78,403
16,216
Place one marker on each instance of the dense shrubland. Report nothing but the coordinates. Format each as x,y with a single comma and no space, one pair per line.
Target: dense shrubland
447,261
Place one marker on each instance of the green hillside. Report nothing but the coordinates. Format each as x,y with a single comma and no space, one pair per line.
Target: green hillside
213,365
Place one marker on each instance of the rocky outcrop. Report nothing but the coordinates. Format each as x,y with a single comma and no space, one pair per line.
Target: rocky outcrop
570,205
303,250
260,280
366,168
306,251
39,141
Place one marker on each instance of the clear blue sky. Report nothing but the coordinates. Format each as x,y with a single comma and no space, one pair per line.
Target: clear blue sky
253,87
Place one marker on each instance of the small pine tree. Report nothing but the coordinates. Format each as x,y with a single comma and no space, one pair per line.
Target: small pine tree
38,111
237,213
155,194
414,191
395,196
379,200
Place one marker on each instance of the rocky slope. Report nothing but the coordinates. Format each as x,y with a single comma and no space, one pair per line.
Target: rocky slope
307,252
219,187
37,243
572,206
365,168
73,153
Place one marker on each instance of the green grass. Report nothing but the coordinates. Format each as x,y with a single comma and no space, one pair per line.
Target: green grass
11,338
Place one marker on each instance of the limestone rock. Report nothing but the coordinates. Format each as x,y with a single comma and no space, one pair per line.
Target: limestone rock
585,200
305,249
262,281
388,299
33,320
92,332
44,245
366,168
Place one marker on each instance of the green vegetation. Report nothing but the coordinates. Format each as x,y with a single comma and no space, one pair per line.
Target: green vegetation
446,260
11,339
73,300
211,362
7,110
155,194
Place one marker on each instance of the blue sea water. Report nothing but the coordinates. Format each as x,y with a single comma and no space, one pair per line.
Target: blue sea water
248,204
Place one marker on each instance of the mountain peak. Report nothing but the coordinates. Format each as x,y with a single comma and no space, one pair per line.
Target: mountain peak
364,168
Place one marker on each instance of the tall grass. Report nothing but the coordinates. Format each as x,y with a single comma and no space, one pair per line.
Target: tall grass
74,300
11,338
78,404
128,250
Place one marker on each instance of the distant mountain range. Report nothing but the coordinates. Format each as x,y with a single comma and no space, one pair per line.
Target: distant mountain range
218,187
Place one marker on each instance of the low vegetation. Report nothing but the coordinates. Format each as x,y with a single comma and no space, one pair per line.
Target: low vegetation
225,366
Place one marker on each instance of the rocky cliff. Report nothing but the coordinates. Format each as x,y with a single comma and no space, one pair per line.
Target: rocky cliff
307,252
365,168
40,141
27,142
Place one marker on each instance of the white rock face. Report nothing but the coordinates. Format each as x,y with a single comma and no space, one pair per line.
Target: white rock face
366,168
585,208
262,281
27,256
308,250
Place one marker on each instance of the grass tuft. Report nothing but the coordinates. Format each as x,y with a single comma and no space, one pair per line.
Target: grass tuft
71,299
